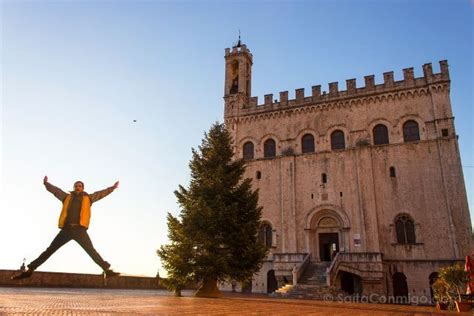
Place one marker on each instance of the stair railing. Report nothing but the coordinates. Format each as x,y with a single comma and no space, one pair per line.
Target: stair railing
302,267
353,258
332,267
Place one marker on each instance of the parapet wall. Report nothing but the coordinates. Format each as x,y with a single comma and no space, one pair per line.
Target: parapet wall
82,280
79,280
409,81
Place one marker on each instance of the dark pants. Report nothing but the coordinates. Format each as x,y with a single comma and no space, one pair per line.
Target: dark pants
68,233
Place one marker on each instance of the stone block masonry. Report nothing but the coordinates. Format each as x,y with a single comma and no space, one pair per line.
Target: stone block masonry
372,173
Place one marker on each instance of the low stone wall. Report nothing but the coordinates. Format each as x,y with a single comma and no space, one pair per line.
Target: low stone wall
78,280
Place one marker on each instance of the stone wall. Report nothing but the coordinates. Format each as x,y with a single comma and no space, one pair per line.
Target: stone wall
360,188
417,274
360,199
78,280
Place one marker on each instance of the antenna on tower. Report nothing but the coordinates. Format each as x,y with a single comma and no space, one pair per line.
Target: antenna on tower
239,42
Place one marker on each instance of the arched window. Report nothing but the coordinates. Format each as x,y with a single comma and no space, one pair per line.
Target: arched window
380,132
234,88
307,143
411,132
337,140
266,235
269,148
248,152
405,228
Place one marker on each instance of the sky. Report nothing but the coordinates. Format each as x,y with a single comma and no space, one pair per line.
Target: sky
75,74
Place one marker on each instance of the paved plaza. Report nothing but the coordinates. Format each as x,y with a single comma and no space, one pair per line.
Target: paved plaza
33,301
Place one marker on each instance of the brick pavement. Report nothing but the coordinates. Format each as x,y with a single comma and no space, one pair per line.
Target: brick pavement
33,301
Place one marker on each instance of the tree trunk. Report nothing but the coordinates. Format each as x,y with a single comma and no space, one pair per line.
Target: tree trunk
208,288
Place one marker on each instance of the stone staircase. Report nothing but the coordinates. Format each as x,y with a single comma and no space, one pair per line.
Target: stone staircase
315,274
312,285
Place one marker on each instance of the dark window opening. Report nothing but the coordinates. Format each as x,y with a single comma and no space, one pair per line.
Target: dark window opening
445,132
392,172
266,235
337,140
248,151
269,148
405,228
340,194
312,195
235,85
307,143
411,132
324,178
380,132
258,175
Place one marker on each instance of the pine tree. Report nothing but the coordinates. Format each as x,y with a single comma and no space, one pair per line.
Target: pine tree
215,237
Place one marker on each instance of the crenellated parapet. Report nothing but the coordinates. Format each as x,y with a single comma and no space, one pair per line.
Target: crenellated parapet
236,50
334,95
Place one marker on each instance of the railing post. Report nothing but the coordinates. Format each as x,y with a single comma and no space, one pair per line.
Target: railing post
299,269
294,272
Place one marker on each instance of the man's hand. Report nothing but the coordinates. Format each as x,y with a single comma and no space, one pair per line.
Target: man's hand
116,184
45,180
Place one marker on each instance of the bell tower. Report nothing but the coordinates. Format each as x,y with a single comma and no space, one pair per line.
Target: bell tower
238,78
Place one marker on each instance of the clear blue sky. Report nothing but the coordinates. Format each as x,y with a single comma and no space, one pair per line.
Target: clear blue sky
75,74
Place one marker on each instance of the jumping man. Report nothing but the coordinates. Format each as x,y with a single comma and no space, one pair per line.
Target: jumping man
73,222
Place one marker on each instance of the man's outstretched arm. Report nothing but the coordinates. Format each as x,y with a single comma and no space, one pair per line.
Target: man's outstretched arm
103,193
60,194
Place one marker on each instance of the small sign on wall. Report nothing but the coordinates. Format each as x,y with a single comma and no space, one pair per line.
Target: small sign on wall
357,241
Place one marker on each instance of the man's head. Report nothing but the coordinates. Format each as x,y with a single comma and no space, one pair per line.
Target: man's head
78,186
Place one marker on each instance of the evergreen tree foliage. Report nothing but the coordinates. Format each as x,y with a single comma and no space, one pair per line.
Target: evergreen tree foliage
216,234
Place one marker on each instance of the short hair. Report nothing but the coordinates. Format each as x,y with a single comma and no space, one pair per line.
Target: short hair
79,182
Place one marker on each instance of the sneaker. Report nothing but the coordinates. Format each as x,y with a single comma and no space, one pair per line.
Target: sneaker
22,275
110,273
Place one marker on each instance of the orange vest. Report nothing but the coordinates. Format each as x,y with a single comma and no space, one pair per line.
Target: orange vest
85,216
